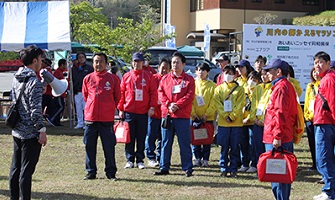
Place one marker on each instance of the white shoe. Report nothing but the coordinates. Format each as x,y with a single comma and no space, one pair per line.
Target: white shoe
141,165
129,165
243,169
152,163
252,170
205,163
322,196
197,163
79,126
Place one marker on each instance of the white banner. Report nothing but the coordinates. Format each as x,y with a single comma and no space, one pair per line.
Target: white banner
297,45
168,29
207,37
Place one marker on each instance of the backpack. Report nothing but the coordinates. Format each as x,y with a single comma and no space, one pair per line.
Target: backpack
299,126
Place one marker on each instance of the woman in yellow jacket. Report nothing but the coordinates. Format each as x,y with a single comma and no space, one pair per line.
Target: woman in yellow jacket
244,68
260,99
311,92
203,109
229,99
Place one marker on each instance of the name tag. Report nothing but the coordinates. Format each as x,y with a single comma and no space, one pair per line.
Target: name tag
227,106
260,109
176,89
138,95
200,100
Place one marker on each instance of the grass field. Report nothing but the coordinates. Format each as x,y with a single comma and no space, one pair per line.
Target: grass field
61,169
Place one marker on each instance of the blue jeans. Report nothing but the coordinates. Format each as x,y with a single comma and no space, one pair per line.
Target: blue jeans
311,140
25,157
180,127
257,136
154,133
281,191
247,149
229,138
138,124
202,151
108,142
325,159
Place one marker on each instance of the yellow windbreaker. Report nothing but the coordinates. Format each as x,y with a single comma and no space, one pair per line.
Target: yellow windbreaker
237,99
296,85
205,89
260,99
244,83
311,91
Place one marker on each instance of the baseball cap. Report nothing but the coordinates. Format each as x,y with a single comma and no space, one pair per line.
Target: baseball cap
276,63
223,57
332,63
243,63
138,56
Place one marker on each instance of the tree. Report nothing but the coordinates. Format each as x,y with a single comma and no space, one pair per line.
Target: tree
132,36
81,14
265,18
326,18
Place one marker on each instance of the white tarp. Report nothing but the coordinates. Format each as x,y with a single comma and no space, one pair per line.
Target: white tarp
45,24
297,45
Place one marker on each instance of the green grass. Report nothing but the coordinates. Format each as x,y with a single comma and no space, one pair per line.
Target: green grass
60,171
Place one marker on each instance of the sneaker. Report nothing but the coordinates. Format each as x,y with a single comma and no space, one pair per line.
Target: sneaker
188,174
161,172
152,163
112,177
90,176
141,165
224,174
129,165
252,170
243,169
197,163
322,196
233,174
205,163
320,181
79,126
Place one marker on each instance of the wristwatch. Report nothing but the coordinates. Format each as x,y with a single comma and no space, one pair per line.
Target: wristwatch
44,129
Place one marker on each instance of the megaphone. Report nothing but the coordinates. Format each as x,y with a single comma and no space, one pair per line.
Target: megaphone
58,86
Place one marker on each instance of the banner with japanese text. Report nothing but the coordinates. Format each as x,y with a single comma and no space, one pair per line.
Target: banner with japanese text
297,45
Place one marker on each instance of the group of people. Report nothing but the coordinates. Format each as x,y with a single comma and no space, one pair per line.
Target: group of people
255,111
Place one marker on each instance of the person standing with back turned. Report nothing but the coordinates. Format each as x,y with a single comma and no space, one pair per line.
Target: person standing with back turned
280,117
29,134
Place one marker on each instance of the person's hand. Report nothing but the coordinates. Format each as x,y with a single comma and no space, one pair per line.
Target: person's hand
228,120
204,118
276,143
245,121
121,114
42,138
173,107
151,111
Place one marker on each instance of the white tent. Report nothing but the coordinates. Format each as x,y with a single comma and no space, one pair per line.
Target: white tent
45,24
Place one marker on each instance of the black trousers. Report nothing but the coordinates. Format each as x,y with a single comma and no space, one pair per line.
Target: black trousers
55,109
25,157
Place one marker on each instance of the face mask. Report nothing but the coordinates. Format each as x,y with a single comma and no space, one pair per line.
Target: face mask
229,78
251,83
146,63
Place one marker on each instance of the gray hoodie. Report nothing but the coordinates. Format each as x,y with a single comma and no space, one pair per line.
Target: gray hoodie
30,104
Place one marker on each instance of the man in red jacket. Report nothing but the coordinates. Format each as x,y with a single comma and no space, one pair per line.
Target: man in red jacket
324,122
223,61
176,93
101,92
280,117
138,101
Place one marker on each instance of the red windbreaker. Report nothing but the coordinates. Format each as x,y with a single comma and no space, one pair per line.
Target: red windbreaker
281,113
327,90
101,92
219,79
140,80
158,113
183,99
149,69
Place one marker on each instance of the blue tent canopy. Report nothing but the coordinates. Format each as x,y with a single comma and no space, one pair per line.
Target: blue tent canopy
45,24
190,51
